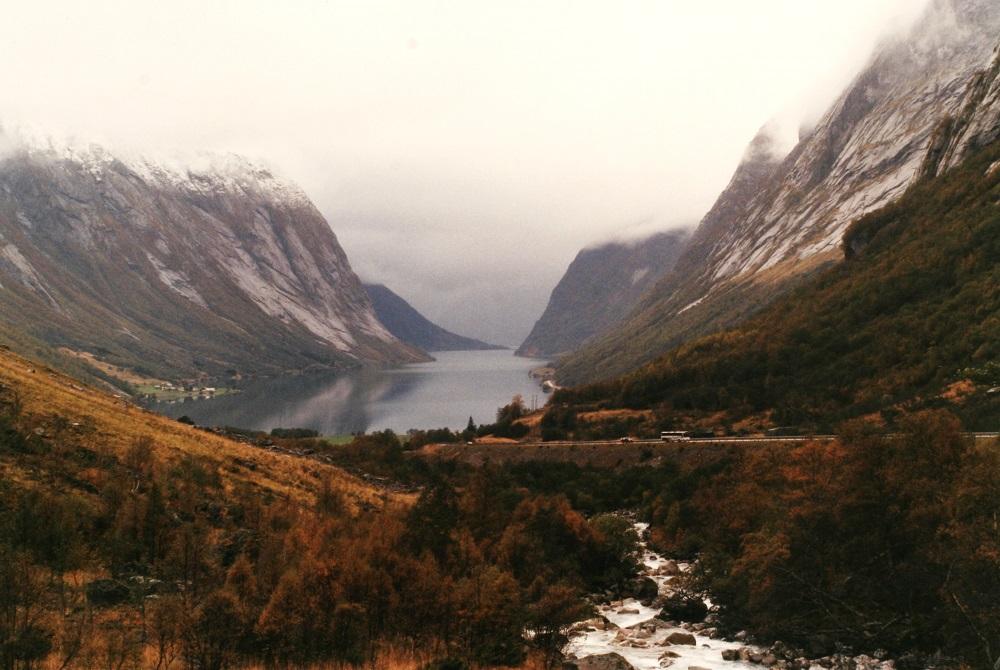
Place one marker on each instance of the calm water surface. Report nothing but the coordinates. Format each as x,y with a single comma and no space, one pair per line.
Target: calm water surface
445,392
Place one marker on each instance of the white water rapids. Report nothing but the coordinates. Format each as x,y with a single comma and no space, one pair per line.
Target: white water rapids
639,637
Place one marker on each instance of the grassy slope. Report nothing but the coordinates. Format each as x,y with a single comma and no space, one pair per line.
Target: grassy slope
915,311
108,426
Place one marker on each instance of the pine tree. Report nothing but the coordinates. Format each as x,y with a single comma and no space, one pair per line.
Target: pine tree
470,431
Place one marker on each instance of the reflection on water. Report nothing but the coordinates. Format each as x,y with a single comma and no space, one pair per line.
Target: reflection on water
445,392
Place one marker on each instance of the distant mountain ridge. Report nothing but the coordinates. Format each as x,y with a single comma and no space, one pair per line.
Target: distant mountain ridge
414,328
177,272
913,109
600,287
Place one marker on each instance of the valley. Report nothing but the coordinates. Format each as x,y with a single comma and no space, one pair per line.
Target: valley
767,441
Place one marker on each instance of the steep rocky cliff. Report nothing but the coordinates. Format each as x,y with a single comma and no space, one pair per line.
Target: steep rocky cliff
412,327
881,135
601,286
976,125
177,272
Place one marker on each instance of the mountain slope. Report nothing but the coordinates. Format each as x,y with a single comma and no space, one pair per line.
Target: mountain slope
868,148
178,273
600,287
94,429
910,320
412,327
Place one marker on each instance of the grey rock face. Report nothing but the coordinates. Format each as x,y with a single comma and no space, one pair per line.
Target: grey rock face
177,271
977,123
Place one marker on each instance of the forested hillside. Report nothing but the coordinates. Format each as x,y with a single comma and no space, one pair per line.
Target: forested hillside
871,543
128,540
911,319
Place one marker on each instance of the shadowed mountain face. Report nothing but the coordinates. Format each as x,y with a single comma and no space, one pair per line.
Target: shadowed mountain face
600,287
412,327
176,273
921,104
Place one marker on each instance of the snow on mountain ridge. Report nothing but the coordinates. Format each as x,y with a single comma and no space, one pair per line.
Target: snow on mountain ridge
203,172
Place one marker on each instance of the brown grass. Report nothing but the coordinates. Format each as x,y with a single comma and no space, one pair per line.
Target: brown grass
111,424
532,420
405,658
615,414
124,374
793,267
389,657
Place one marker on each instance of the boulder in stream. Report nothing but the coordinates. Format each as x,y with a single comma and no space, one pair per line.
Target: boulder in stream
688,609
669,569
681,638
610,661
597,623
667,659
644,589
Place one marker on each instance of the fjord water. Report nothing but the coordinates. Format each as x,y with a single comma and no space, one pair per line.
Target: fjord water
444,392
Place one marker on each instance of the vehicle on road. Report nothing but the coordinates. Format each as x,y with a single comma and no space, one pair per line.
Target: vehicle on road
675,436
625,440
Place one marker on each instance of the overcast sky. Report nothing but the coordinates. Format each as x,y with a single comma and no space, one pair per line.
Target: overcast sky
462,151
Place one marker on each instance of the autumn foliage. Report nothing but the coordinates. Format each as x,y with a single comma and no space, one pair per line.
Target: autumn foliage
166,565
874,541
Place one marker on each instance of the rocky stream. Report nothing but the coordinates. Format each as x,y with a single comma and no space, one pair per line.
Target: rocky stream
655,629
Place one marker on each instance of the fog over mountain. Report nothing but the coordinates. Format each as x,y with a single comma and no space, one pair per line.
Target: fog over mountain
465,151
